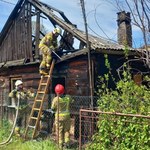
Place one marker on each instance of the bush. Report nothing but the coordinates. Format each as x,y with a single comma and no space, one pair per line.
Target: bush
122,132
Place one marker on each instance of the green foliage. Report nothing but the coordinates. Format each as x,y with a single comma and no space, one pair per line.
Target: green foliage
127,98
126,51
19,144
122,132
5,127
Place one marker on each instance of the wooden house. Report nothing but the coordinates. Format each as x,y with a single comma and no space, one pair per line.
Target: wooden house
20,56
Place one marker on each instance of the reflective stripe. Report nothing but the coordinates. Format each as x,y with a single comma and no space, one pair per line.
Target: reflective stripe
22,107
63,114
41,45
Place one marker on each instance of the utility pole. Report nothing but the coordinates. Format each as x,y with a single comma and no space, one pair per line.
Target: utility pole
89,53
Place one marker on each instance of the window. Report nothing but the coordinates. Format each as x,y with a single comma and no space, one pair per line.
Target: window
13,80
12,86
3,94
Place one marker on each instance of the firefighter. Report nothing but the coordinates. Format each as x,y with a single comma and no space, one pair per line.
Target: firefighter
62,116
47,45
23,95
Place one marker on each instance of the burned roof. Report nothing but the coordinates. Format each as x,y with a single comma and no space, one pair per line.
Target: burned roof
63,22
97,44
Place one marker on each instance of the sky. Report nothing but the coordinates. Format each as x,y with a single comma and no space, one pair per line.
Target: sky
101,17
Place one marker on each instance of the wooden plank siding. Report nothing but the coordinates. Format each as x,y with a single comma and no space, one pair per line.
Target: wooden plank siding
29,75
17,44
77,78
29,30
37,35
75,73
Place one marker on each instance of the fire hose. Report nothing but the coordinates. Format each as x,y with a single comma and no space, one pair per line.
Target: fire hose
14,124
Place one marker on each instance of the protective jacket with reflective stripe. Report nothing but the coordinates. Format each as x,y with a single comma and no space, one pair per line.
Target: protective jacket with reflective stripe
64,106
24,96
49,41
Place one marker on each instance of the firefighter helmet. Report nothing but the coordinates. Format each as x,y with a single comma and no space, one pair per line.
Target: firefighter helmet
57,30
59,89
18,82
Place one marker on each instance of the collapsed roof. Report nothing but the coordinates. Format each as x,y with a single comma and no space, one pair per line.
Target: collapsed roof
58,18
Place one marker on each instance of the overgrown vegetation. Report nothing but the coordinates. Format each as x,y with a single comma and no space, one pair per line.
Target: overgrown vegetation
20,144
122,132
4,126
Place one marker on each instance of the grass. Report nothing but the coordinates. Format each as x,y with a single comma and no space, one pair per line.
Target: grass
5,129
21,144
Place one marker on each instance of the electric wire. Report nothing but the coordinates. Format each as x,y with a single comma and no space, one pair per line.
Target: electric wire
7,2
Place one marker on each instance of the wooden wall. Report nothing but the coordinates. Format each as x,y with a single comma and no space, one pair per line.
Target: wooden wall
75,73
30,77
17,43
77,78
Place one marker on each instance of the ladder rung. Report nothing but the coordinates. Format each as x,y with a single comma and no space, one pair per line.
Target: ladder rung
36,109
34,118
31,126
41,92
38,100
43,83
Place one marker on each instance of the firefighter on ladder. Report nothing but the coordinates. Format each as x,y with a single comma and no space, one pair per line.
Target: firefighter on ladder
61,107
24,95
48,45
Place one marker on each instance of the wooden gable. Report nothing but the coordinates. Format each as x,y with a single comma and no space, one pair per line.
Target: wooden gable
16,43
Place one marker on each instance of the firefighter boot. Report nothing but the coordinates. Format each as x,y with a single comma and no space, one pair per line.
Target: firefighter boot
17,131
66,145
60,146
43,72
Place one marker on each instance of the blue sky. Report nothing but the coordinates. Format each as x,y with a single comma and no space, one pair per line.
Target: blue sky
101,16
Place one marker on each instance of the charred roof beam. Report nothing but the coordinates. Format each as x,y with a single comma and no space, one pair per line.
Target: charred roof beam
59,11
63,24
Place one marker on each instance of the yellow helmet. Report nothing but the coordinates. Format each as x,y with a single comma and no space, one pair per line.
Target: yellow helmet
57,30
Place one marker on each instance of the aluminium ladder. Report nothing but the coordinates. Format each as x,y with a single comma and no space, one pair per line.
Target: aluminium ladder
37,107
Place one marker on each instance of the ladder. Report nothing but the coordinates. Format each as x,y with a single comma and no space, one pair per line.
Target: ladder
37,107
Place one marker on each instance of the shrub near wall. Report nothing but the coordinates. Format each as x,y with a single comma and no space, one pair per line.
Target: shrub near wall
122,132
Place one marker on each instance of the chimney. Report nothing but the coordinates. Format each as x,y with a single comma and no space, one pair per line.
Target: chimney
124,28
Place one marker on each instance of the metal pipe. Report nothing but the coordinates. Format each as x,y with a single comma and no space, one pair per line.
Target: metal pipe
58,119
80,142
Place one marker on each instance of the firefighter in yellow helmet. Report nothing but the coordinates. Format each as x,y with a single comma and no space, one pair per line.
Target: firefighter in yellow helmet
47,45
23,95
61,105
